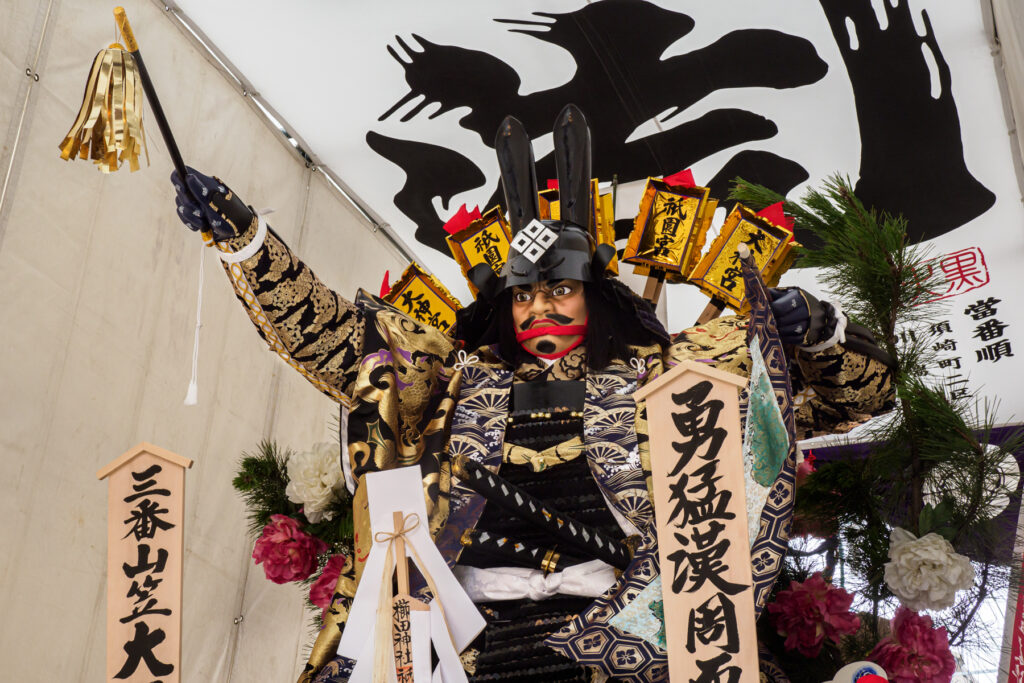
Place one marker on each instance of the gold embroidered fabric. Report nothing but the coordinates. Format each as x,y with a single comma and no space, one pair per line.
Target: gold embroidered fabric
572,365
310,327
549,457
843,388
404,389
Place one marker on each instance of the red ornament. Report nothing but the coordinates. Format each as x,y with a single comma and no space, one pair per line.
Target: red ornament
385,287
776,215
681,179
461,219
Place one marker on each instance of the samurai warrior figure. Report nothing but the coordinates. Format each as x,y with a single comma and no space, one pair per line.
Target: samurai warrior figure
525,412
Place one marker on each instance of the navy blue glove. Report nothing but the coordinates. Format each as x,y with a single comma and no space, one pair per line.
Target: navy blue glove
218,209
802,320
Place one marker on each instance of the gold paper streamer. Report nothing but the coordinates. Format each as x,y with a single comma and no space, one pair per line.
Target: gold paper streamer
108,128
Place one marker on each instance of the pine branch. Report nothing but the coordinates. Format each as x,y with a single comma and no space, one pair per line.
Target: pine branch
931,470
261,481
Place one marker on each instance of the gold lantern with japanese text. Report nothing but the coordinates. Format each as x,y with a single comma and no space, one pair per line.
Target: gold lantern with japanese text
421,297
772,246
485,240
670,228
602,216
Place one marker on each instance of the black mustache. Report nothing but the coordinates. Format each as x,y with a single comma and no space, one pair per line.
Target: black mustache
557,317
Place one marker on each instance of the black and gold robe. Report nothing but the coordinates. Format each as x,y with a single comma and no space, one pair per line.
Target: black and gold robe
414,398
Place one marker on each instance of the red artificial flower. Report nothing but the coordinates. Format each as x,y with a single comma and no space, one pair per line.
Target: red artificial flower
915,651
286,552
807,613
322,590
805,469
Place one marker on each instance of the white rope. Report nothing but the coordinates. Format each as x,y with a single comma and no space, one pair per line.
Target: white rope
192,395
249,249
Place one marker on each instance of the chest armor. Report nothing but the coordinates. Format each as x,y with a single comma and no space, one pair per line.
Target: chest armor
609,440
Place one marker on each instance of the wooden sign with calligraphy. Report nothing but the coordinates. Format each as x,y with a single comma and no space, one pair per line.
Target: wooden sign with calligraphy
410,636
486,240
700,508
421,297
719,274
145,515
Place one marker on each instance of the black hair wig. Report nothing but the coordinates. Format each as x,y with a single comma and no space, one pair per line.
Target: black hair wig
616,320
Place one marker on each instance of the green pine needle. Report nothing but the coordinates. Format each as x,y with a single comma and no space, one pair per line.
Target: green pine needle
930,471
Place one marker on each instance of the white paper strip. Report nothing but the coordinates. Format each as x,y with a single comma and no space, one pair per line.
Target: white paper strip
420,624
401,490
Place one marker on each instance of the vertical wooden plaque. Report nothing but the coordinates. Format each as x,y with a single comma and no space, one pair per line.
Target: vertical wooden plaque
145,516
701,514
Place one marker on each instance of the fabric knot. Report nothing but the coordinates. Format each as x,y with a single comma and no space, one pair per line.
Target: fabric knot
640,365
462,359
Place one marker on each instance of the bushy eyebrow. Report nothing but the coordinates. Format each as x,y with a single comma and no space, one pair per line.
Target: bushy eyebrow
548,284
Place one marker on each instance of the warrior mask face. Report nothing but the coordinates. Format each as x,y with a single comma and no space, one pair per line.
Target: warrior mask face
550,317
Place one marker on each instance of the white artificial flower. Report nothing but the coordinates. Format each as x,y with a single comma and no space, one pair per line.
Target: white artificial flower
925,573
314,478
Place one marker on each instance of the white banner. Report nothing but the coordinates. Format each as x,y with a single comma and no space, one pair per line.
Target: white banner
402,100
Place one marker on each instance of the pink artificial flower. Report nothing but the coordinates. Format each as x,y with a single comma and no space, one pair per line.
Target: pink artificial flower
287,553
322,590
805,469
915,651
807,613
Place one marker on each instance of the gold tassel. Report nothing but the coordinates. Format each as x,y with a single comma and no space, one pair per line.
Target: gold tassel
109,129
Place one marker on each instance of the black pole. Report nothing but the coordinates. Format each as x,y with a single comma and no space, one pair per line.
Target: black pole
154,101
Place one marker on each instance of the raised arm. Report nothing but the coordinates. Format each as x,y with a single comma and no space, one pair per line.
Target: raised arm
312,328
840,376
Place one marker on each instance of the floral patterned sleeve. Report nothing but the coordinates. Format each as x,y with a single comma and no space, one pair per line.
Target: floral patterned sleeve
312,328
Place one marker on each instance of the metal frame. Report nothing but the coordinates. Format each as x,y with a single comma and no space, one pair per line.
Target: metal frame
286,134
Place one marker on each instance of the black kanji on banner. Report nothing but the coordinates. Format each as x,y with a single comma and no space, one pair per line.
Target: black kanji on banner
622,81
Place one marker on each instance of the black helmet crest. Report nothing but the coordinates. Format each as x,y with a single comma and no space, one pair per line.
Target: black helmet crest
549,249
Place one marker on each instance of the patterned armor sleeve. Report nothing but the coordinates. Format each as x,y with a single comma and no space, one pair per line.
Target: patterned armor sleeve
834,389
312,328
838,388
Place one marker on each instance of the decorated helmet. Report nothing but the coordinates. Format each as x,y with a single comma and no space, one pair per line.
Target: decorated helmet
550,249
